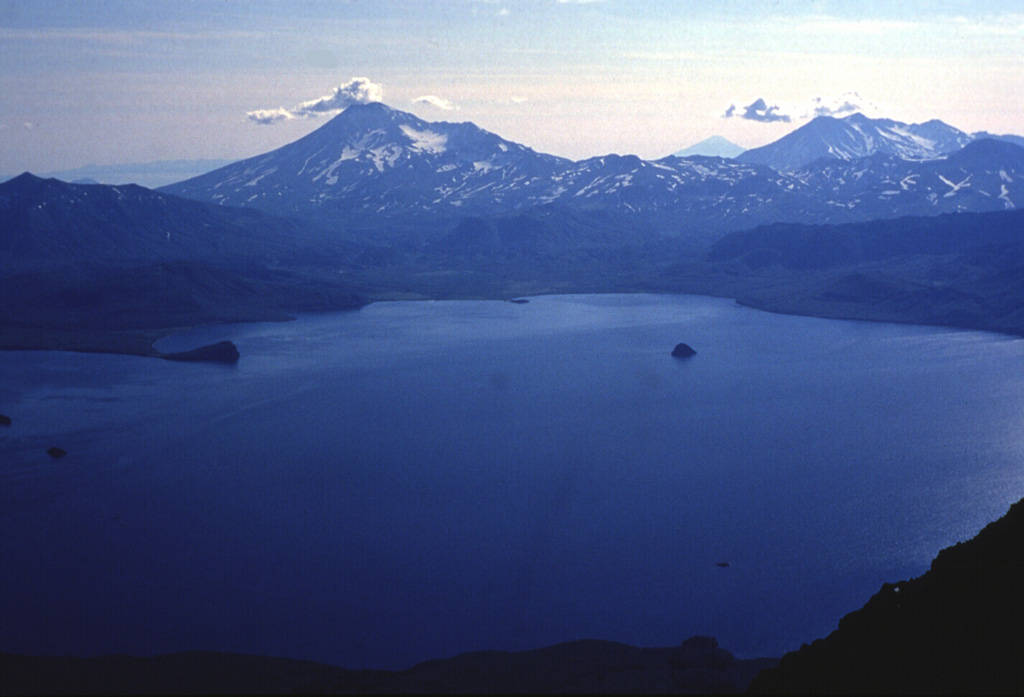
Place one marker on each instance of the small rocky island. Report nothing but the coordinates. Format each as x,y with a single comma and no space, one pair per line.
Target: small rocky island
221,352
683,351
5,420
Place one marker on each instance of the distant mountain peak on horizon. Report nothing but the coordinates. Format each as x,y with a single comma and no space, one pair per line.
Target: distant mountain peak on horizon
715,146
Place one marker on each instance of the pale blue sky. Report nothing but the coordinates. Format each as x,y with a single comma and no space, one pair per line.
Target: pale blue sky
115,82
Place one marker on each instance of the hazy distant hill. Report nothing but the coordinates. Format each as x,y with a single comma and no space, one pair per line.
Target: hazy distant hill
147,174
87,258
715,146
818,247
962,270
49,221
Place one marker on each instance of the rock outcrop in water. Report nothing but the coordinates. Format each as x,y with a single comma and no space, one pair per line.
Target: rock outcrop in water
683,351
954,630
56,452
221,352
5,420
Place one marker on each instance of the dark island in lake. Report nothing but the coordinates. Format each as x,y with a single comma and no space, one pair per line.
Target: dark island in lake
683,351
221,352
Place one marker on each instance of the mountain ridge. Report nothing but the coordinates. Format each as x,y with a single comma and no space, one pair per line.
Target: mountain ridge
374,166
854,137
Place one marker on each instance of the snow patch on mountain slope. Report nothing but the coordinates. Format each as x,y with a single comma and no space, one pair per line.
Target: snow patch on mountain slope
425,141
1004,194
954,187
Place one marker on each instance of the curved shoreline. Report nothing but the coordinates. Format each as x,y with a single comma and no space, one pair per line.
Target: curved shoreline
142,343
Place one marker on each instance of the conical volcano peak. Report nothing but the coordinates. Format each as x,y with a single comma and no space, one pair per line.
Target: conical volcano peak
369,114
858,117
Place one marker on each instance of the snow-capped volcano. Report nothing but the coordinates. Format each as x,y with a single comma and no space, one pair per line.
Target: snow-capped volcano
854,137
371,158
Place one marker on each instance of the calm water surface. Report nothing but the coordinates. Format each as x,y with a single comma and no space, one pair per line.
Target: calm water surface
415,480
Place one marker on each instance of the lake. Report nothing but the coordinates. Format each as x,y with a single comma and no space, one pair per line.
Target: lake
418,479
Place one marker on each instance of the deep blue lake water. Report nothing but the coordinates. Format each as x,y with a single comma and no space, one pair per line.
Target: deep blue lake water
419,479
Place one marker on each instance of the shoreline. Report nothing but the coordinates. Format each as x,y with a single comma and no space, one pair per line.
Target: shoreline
141,343
855,317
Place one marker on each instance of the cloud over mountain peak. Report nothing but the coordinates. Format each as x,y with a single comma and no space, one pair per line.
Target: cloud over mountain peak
358,90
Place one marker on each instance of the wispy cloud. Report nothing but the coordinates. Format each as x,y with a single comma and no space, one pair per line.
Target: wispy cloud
269,116
843,105
358,90
436,102
114,36
825,24
758,110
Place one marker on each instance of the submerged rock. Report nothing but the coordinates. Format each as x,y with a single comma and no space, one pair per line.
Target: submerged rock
5,420
221,352
56,452
683,351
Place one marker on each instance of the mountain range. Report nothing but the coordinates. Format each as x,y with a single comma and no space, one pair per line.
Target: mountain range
373,165
378,203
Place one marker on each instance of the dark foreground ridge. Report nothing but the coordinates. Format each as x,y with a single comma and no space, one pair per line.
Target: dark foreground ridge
698,665
954,630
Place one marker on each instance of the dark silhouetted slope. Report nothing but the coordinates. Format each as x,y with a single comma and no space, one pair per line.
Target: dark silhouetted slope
954,630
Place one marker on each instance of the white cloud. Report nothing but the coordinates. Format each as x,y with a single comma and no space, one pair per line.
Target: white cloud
843,105
758,110
503,12
436,102
358,90
838,107
268,116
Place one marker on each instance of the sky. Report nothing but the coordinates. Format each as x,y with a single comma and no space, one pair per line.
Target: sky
110,82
